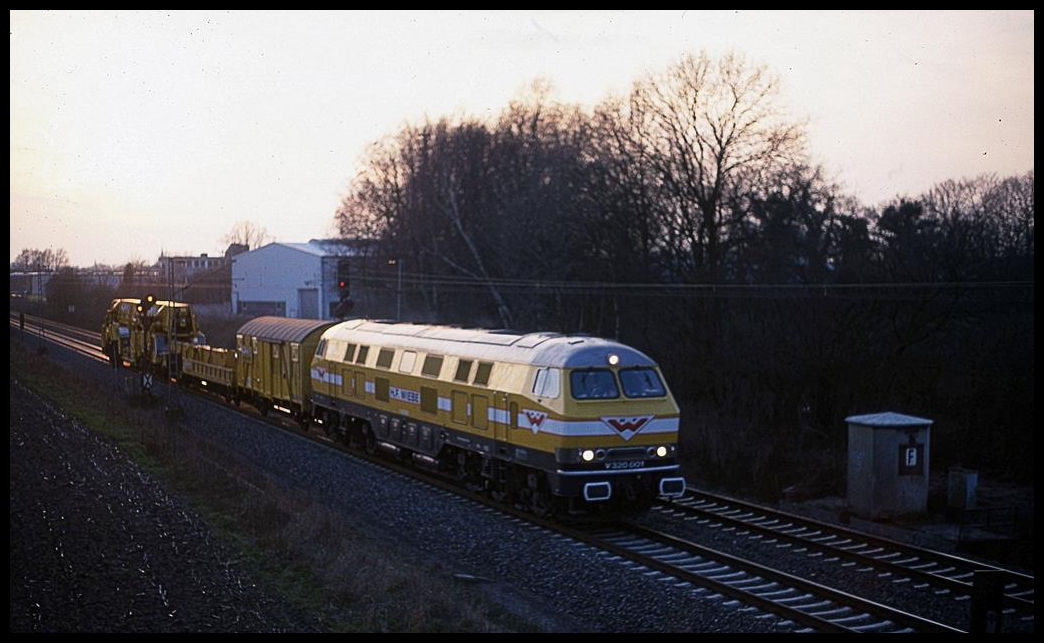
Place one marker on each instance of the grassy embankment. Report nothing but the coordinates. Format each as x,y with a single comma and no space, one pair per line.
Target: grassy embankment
298,547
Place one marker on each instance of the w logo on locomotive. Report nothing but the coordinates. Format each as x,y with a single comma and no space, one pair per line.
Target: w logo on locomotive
536,418
627,426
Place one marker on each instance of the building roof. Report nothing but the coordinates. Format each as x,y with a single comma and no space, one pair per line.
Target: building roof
320,247
887,419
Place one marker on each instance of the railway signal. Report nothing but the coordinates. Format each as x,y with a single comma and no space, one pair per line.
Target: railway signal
345,303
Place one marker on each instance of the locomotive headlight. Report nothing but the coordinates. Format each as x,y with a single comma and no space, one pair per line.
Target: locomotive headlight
587,455
614,359
661,451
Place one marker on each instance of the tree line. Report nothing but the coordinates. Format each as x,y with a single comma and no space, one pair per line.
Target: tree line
686,218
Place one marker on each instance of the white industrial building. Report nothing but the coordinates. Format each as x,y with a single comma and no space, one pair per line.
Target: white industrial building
290,279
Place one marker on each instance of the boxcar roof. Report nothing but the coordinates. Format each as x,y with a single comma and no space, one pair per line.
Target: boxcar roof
537,349
282,329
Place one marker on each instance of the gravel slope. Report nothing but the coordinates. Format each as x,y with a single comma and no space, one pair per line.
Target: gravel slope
96,545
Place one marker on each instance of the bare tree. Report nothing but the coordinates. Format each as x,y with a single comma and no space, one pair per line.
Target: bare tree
48,260
702,126
249,234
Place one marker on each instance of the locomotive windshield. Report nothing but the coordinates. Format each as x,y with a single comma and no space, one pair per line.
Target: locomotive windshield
594,384
641,382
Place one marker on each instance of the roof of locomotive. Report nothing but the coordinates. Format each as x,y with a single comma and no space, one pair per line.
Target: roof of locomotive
536,349
282,329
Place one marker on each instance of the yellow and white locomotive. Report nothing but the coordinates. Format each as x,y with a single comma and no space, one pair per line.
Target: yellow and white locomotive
552,422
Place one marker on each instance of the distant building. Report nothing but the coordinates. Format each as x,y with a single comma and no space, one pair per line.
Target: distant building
200,279
294,279
31,284
181,269
235,249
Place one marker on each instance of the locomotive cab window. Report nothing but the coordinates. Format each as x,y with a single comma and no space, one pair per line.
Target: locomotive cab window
363,352
321,348
349,353
641,382
593,384
547,383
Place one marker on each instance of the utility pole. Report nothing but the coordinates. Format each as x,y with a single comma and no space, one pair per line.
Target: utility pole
170,323
398,289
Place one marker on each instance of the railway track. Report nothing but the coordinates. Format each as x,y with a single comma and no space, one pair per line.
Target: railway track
798,603
812,607
79,340
939,572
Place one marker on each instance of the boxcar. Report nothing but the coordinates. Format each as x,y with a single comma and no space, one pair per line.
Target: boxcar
273,363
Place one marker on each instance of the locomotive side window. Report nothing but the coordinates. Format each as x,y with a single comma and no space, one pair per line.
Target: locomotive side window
349,353
384,358
641,382
593,384
407,361
482,373
363,352
321,348
334,347
463,370
432,365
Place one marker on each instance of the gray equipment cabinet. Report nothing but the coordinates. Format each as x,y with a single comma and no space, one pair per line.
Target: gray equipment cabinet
887,465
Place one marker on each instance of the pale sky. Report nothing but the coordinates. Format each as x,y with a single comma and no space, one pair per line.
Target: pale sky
136,132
